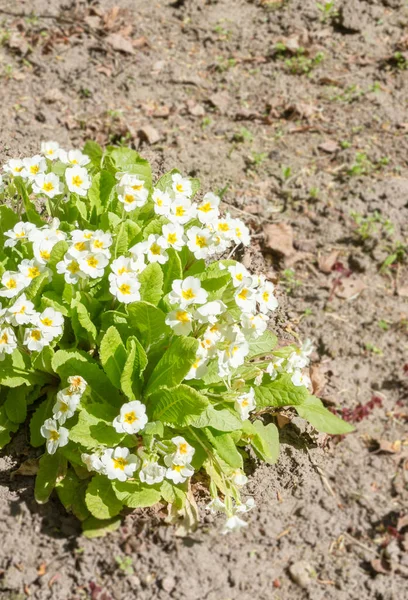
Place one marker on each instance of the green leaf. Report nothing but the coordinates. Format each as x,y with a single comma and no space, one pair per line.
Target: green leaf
99,192
129,161
57,253
16,370
125,233
16,404
151,284
135,495
7,427
165,181
36,286
93,527
174,364
179,405
113,355
101,499
43,411
52,468
8,218
154,227
75,362
172,270
85,321
54,300
94,427
149,322
94,151
29,208
131,379
263,345
225,447
280,392
172,494
264,439
222,420
71,492
322,419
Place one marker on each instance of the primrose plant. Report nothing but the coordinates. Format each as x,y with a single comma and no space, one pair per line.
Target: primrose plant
139,350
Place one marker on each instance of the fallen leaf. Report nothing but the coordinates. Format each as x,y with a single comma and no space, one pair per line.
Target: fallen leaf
279,238
326,263
379,566
110,17
104,70
221,100
27,468
402,522
330,146
390,447
149,134
42,569
318,379
282,420
350,288
140,42
120,44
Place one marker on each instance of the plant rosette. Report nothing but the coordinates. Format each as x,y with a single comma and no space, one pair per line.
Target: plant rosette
141,354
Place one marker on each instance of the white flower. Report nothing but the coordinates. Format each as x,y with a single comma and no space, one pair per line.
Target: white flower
245,296
216,505
125,288
50,322
48,232
33,166
208,210
93,264
21,313
180,321
181,186
42,250
8,341
101,242
119,463
93,462
151,472
81,235
254,325
15,166
77,384
56,436
209,313
239,274
13,283
19,232
36,339
69,267
173,236
132,418
187,291
65,406
181,211
155,249
48,184
50,150
177,473
224,227
234,523
239,478
266,299
132,192
199,367
78,180
233,352
73,157
298,378
162,202
240,233
274,367
300,357
245,404
121,266
30,269
199,242
183,453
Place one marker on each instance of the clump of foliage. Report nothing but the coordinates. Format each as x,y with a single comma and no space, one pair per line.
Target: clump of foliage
139,354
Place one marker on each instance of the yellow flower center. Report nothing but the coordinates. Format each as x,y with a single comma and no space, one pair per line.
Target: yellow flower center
124,289
155,249
36,335
18,169
130,417
265,296
73,161
4,338
223,227
88,236
243,294
188,294
178,468
172,238
11,284
245,403
119,463
159,202
54,435
239,276
47,322
183,316
183,449
137,187
179,187
80,246
129,198
33,272
201,241
123,270
73,267
48,186
206,208
63,407
77,181
21,311
45,255
98,244
180,211
238,232
92,262
20,235
34,169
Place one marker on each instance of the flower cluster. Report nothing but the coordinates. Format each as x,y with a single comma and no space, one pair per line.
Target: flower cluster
145,348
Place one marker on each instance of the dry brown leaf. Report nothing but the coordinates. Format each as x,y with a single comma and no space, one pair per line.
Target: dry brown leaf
279,238
318,379
110,17
350,288
53,95
330,146
42,569
378,566
27,468
140,42
149,134
390,447
282,420
104,70
326,263
120,44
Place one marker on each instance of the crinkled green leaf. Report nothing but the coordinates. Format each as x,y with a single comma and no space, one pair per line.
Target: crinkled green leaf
71,492
101,499
264,439
94,427
225,447
151,284
136,495
113,355
280,392
263,345
149,323
322,419
172,270
131,379
52,467
222,420
174,364
16,404
179,405
93,527
7,427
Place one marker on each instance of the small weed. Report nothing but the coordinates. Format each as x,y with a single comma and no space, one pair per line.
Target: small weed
223,34
314,193
286,172
374,349
289,280
257,158
328,11
382,324
400,61
85,93
206,122
362,165
369,227
345,144
125,564
224,64
243,135
398,254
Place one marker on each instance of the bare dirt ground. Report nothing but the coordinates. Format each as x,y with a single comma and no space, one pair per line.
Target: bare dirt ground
303,113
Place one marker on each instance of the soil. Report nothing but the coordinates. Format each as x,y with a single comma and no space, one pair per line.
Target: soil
298,139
